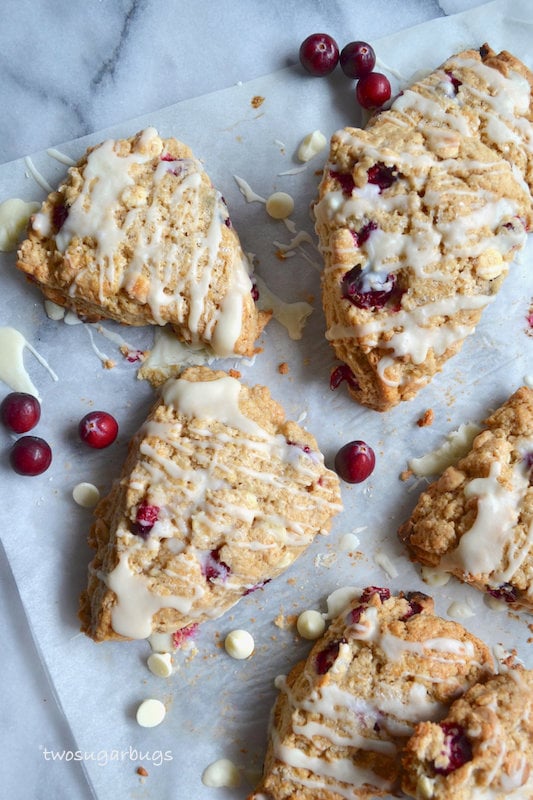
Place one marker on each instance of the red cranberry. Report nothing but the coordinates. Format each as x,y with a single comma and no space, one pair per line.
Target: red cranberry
384,594
355,615
59,216
98,429
355,288
340,374
355,462
180,636
458,745
319,54
357,59
20,412
345,179
456,83
382,176
214,568
255,293
361,236
30,455
505,592
325,659
373,90
145,519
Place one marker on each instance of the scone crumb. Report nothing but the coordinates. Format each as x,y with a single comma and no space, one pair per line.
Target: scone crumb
406,474
257,101
281,255
234,373
426,419
283,368
285,621
142,771
109,363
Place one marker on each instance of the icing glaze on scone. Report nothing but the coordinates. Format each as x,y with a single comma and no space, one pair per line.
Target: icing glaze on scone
419,217
219,495
138,233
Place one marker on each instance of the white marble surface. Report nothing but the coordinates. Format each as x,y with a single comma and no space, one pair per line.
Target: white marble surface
72,67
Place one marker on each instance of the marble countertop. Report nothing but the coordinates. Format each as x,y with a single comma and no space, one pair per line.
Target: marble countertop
70,69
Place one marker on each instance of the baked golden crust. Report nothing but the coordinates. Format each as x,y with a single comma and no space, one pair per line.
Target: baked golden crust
476,520
219,494
138,234
419,217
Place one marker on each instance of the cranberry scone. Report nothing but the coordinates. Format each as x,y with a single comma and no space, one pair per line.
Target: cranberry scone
342,716
219,494
137,233
419,217
476,520
482,748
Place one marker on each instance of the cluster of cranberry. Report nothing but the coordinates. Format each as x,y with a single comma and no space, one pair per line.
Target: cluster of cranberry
31,455
319,55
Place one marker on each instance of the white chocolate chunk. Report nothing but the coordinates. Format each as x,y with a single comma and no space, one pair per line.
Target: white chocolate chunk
86,495
310,624
221,773
434,577
280,205
311,145
160,664
239,644
150,713
53,310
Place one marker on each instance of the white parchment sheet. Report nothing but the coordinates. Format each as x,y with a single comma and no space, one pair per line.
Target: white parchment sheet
218,707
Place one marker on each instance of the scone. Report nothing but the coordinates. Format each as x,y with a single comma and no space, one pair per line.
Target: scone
476,520
419,217
482,748
137,233
343,715
219,494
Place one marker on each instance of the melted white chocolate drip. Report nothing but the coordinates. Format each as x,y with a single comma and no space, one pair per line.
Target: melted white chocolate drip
12,369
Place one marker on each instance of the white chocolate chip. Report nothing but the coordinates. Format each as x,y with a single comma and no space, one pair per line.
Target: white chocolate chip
86,495
312,144
280,205
460,610
424,787
434,577
221,773
349,542
310,624
338,600
239,644
160,664
53,311
151,713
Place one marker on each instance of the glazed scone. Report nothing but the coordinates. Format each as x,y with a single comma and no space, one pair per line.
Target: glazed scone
476,520
343,715
483,748
219,494
137,233
419,217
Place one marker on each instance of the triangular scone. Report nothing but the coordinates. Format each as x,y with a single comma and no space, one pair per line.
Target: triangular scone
483,748
419,217
137,233
476,520
219,494
343,715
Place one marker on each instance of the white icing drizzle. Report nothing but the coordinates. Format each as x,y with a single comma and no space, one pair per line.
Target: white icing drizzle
39,179
12,370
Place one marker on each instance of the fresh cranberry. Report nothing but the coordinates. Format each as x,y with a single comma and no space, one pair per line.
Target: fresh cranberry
382,176
373,90
30,455
345,179
326,658
384,594
355,462
505,592
458,745
340,374
145,519
59,216
354,287
214,568
98,429
357,59
361,236
20,412
319,54
180,636
456,83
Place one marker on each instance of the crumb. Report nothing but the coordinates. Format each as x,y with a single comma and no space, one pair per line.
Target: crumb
257,101
291,581
234,373
406,474
142,771
284,622
426,418
280,255
283,368
109,363
310,299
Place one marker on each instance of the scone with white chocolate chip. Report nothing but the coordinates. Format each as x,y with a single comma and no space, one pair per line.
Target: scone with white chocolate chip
419,217
343,715
476,520
219,494
482,748
137,233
